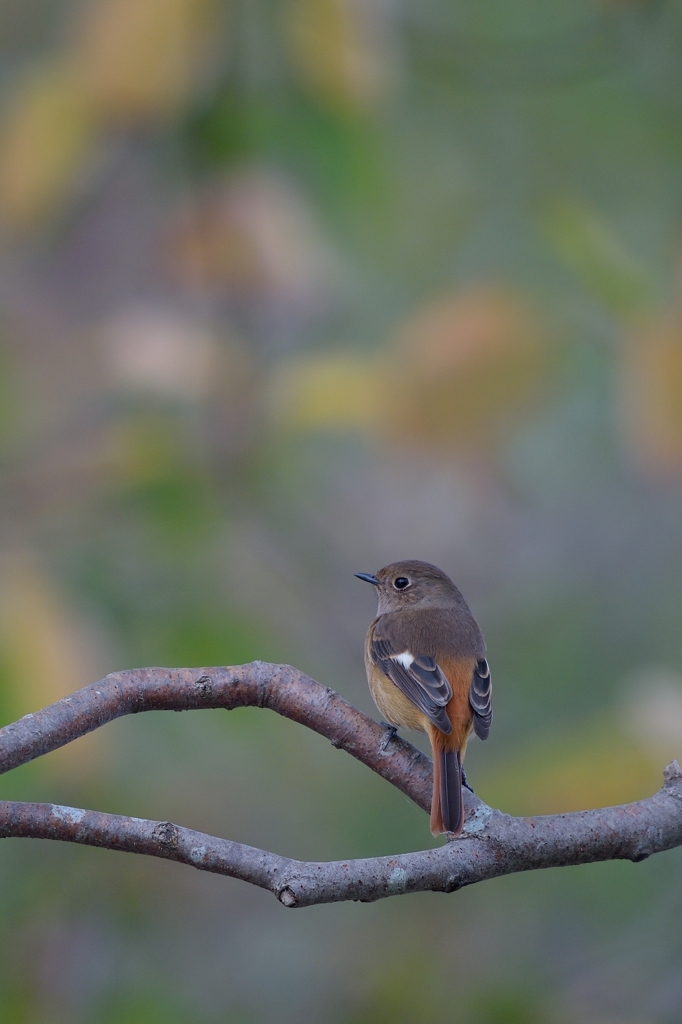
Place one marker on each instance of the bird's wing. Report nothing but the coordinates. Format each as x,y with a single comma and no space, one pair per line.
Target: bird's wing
419,677
481,699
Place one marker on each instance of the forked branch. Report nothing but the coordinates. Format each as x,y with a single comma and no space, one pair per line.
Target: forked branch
492,843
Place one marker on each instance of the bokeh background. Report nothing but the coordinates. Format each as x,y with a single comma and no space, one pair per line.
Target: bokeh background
290,289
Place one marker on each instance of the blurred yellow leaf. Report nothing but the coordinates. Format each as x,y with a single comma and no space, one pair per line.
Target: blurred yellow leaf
139,57
573,770
462,365
650,392
585,241
454,375
132,58
341,50
328,392
47,652
47,131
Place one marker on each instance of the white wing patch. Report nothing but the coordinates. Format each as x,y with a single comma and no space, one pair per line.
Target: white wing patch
418,677
405,659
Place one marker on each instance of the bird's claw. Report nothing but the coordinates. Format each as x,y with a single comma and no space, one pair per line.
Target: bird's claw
465,782
391,730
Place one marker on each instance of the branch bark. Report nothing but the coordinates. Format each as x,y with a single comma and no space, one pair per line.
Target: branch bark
491,844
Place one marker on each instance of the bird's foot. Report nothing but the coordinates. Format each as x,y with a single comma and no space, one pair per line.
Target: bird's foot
391,730
465,782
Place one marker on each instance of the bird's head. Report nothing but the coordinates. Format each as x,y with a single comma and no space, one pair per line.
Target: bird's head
411,584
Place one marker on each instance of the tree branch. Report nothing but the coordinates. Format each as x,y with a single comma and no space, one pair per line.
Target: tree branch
492,843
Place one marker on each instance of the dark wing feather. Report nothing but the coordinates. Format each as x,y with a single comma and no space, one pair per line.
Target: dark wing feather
423,683
481,699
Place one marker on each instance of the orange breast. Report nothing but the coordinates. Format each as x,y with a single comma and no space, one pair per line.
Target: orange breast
392,702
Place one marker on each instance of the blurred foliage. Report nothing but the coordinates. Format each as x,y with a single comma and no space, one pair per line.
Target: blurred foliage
508,1007
47,132
651,396
340,51
462,366
137,59
585,242
572,770
289,289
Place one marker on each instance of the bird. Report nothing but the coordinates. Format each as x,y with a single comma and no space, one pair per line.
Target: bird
427,670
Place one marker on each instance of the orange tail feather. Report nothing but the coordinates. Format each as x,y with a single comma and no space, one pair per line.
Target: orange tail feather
447,808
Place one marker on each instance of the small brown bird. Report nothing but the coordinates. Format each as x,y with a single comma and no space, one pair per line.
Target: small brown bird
427,670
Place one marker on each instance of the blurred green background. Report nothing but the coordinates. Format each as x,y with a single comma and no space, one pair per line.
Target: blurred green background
290,289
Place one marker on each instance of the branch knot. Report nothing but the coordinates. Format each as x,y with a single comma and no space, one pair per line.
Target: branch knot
167,833
672,773
203,687
288,897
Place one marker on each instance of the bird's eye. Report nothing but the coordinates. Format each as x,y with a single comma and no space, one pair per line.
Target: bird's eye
401,582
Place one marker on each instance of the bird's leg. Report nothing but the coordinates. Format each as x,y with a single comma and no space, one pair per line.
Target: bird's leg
465,783
391,730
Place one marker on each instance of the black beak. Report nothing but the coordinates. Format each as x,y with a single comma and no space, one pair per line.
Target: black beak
367,577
